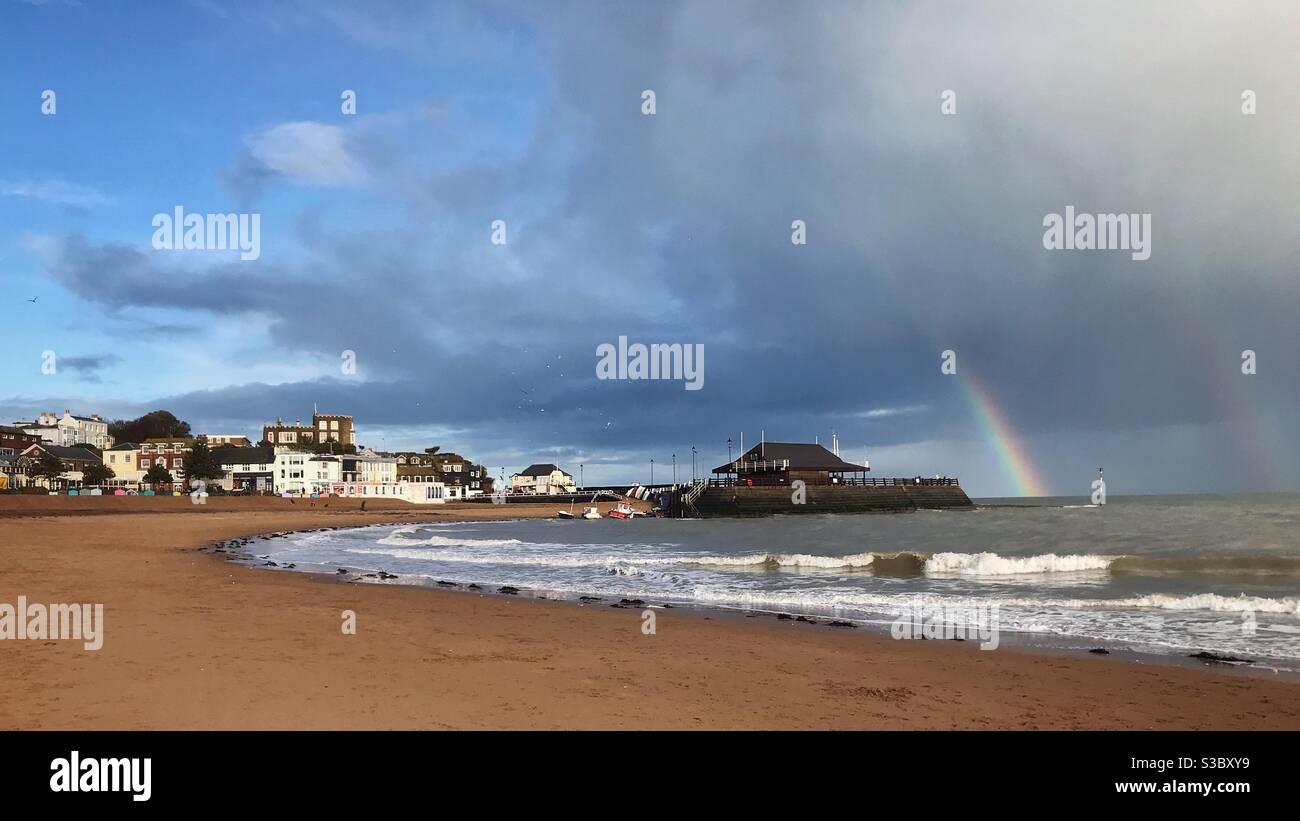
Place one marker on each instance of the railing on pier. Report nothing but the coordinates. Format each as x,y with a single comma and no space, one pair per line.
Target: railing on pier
943,481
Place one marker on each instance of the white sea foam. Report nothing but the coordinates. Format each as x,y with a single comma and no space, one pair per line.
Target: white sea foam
398,539
1213,602
472,551
991,564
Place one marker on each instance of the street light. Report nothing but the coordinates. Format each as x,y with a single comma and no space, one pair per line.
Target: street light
674,470
652,473
581,482
692,464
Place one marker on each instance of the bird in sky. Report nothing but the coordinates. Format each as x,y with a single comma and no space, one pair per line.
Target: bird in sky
33,299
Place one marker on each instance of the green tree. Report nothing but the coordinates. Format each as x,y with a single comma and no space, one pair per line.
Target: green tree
199,463
157,475
96,473
153,425
48,467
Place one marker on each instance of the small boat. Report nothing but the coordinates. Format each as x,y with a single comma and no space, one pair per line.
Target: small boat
590,513
564,514
622,511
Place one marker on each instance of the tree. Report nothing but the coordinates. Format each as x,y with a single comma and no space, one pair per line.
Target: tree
331,446
153,425
96,473
199,463
48,467
157,475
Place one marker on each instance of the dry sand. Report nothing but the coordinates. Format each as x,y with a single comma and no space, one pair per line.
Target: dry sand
192,641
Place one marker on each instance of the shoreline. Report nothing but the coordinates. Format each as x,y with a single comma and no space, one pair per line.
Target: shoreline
195,643
1117,652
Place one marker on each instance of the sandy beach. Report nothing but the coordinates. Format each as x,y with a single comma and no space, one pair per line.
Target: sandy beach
192,641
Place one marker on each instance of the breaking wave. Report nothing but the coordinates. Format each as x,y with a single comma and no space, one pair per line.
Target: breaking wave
991,564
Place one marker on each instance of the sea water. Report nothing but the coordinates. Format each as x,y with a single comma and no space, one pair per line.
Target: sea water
1165,575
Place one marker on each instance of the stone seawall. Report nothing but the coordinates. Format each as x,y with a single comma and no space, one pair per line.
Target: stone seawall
767,501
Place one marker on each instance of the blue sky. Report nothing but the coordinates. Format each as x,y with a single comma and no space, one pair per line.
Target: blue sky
924,229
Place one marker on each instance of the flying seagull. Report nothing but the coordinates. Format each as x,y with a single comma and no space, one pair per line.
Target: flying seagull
33,299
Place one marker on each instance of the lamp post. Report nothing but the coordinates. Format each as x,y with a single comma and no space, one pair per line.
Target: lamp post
581,482
692,464
652,473
674,470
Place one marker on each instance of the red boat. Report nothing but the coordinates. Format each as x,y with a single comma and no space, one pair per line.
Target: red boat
621,511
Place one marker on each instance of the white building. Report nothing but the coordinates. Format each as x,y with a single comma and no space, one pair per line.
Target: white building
68,430
299,473
424,493
542,479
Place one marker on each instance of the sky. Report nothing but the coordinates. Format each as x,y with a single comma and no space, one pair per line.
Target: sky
923,217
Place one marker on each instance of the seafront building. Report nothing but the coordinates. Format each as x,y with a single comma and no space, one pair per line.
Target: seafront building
324,427
75,459
463,478
225,440
14,440
300,473
247,469
69,430
170,452
542,479
124,460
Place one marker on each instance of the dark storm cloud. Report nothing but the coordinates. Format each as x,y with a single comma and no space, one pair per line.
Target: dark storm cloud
924,231
87,367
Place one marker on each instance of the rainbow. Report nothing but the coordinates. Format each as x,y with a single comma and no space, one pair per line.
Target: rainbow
1010,448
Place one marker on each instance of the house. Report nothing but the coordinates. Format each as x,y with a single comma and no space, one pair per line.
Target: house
246,468
779,463
75,459
69,430
461,476
542,479
49,434
14,440
369,469
225,440
169,452
299,473
124,460
324,427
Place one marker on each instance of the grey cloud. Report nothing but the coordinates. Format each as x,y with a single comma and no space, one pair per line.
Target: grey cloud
87,367
924,230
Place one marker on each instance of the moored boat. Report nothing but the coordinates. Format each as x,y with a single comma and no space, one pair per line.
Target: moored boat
622,511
